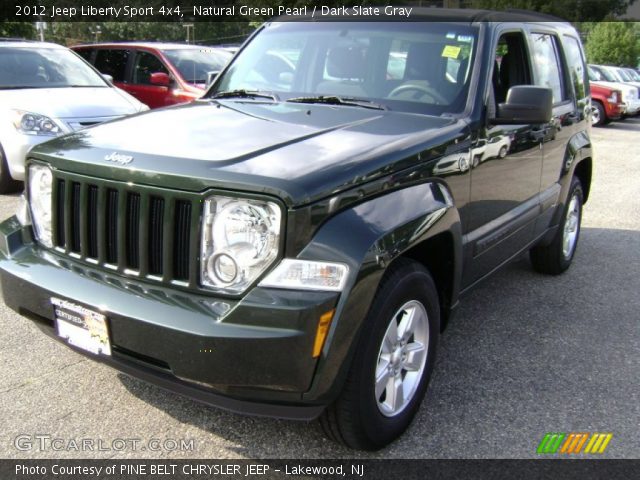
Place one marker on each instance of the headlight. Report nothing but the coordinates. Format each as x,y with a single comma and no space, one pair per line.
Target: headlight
240,240
307,275
613,98
40,183
35,124
22,212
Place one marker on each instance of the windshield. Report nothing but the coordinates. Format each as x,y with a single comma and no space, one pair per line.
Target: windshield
608,75
623,75
195,64
45,68
414,67
602,75
611,74
633,74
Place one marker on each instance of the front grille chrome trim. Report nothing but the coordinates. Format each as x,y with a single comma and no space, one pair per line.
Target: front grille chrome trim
137,230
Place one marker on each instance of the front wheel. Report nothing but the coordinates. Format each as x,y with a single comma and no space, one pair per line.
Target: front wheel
556,257
392,364
598,116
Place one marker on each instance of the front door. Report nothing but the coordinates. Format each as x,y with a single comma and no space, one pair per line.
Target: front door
506,170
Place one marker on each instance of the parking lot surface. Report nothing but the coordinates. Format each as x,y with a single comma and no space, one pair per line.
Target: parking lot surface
527,354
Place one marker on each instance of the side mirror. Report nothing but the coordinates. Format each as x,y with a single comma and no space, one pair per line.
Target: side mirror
160,79
525,104
107,77
211,76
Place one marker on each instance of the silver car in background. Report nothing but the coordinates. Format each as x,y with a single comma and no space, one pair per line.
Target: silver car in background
46,90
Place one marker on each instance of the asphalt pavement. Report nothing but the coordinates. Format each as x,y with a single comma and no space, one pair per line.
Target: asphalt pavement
528,354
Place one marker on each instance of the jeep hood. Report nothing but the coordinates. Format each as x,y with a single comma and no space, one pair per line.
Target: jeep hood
296,151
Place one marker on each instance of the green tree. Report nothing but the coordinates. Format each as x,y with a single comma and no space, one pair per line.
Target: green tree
613,43
571,10
17,30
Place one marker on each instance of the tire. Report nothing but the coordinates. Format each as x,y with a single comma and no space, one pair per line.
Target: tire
503,152
359,418
556,257
599,116
7,184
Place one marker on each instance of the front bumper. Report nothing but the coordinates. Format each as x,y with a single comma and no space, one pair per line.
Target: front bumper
252,355
631,107
16,146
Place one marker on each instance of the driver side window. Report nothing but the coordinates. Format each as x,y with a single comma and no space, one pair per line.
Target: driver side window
145,65
510,68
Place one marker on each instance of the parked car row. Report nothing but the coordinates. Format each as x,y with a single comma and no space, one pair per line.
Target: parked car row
157,74
46,90
615,93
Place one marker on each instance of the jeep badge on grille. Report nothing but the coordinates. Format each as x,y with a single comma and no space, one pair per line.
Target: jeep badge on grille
119,158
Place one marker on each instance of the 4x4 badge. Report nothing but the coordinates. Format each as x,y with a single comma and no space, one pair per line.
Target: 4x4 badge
119,158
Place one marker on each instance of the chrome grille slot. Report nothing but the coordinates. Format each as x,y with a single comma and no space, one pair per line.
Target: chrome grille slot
156,217
181,240
75,218
133,231
92,222
112,226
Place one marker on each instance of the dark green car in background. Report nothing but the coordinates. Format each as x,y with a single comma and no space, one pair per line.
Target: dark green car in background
293,243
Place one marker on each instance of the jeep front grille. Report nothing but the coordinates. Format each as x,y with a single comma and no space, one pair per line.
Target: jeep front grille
139,231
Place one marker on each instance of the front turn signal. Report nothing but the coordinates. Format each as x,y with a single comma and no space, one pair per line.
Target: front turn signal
321,333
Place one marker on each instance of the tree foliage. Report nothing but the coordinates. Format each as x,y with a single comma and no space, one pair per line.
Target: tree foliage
571,10
613,43
17,30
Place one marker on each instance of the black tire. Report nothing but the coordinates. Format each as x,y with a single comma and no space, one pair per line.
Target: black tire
355,419
600,115
7,184
553,259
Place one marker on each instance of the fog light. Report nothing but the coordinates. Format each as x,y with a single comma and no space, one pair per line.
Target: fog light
223,267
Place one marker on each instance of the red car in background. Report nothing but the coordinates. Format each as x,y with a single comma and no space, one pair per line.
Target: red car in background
157,74
607,104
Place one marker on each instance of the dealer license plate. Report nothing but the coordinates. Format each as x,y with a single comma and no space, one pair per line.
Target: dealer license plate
81,327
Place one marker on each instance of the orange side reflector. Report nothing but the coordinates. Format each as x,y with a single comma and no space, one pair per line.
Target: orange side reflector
321,334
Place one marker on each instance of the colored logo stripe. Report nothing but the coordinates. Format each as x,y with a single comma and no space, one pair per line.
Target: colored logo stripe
572,443
598,443
550,442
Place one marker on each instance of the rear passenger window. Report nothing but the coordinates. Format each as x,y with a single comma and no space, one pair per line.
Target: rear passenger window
146,64
112,62
547,65
576,64
85,53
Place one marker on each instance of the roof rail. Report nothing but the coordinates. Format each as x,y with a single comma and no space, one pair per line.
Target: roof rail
6,39
536,15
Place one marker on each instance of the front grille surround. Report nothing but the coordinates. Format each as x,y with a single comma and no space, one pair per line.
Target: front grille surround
144,232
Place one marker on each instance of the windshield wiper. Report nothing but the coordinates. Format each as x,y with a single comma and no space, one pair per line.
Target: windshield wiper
335,100
245,94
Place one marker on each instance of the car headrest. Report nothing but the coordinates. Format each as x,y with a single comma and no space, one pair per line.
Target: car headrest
346,62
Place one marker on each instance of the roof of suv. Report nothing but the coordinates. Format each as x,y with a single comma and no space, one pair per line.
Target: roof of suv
22,43
468,15
156,45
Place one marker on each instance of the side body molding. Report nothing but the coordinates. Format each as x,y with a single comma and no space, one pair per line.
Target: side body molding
368,237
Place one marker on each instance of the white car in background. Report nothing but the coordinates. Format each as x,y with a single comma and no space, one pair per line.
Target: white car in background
630,93
46,90
620,75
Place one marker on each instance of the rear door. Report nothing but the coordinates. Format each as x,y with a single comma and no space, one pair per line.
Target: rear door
562,70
